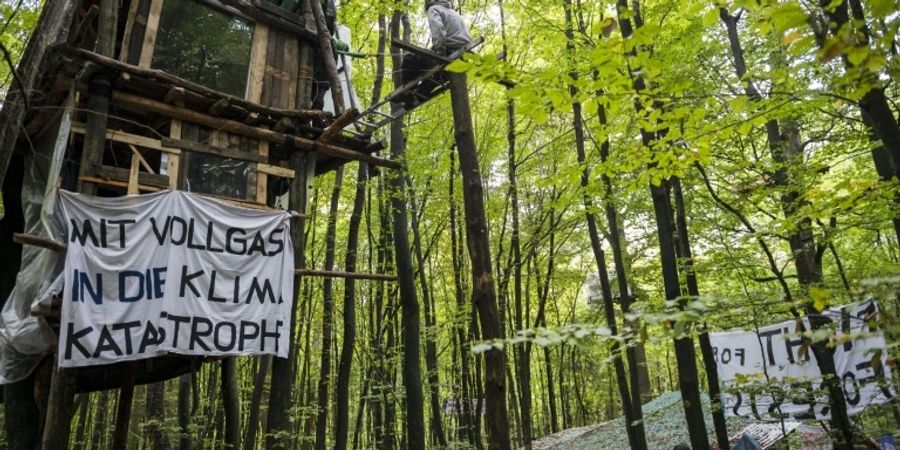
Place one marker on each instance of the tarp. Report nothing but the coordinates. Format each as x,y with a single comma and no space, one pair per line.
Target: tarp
770,372
172,272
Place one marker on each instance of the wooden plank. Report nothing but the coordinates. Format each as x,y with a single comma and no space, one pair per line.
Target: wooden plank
129,29
135,43
280,22
259,133
117,184
175,96
133,175
120,174
128,138
275,170
257,62
420,50
150,33
173,165
224,152
141,159
262,178
338,274
37,241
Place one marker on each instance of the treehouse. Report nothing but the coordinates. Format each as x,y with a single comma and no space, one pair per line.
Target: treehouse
245,101
229,99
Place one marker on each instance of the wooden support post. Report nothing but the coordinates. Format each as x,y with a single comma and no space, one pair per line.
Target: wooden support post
60,407
133,174
123,412
277,423
262,178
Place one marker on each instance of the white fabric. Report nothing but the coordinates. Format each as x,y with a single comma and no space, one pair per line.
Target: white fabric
172,272
770,372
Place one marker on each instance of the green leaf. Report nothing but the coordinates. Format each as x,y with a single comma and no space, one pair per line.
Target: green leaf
881,8
786,16
459,66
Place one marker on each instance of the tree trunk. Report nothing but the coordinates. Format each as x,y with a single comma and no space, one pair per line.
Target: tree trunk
467,429
123,410
483,293
684,346
706,350
632,412
156,412
327,313
259,386
21,417
231,403
184,411
409,303
784,144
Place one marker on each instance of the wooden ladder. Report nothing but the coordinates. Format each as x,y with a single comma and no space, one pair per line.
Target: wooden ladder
373,118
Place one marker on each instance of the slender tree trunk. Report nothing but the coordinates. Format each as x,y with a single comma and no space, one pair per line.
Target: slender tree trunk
706,350
684,346
83,401
327,314
409,303
21,417
632,412
259,387
431,360
483,292
156,412
523,360
784,144
184,411
231,403
467,425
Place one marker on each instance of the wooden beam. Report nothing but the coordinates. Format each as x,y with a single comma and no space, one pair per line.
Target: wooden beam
257,62
338,274
117,184
213,150
133,175
420,50
150,34
128,138
175,96
333,130
281,21
262,179
141,159
123,411
169,79
216,108
275,170
37,241
258,133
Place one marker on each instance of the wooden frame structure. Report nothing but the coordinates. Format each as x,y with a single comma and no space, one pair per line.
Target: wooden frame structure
138,128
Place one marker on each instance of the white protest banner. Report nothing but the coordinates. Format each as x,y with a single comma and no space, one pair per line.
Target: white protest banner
771,373
172,272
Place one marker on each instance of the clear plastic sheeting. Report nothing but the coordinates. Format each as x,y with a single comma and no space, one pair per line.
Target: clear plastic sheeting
225,177
26,339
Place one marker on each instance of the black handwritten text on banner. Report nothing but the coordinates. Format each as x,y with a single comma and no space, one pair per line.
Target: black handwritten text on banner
772,373
172,272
